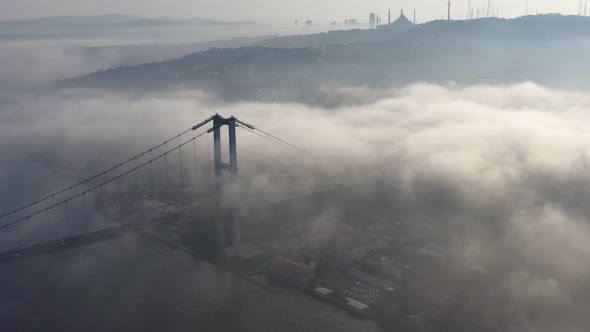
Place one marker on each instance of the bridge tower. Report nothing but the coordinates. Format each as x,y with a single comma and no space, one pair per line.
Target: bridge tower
232,167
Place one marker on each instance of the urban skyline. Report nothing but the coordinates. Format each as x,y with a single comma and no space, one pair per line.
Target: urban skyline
272,11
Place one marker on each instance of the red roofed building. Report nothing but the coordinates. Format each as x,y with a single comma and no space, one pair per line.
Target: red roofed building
289,271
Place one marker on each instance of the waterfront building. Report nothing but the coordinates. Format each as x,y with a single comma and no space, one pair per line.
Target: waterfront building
290,271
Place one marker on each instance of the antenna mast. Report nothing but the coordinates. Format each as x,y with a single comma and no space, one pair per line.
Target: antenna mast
449,13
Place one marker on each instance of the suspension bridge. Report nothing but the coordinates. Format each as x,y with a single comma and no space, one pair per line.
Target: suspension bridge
77,214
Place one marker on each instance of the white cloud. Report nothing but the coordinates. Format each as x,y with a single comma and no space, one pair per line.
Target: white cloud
508,163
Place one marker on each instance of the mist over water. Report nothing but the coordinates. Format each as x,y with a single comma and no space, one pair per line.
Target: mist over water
38,54
153,288
502,167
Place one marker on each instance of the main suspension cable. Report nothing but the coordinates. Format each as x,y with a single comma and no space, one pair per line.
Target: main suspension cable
103,173
99,186
252,128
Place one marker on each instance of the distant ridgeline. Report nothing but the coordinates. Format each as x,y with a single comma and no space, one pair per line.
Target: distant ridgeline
552,50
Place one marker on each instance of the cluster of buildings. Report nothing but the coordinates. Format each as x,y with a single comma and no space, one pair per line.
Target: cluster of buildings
483,9
364,268
308,23
401,274
342,245
350,245
341,242
300,274
375,21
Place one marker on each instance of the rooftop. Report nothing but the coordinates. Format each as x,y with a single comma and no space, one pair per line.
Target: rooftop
290,265
357,305
323,291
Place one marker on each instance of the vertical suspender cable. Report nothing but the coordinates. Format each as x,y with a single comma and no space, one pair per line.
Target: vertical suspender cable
151,175
119,192
208,146
69,220
71,217
134,176
195,153
180,157
195,173
166,171
85,213
66,219
21,238
104,172
56,223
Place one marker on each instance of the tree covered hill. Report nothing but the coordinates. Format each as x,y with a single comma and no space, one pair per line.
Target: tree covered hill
550,50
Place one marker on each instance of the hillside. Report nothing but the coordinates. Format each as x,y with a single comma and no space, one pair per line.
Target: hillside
550,50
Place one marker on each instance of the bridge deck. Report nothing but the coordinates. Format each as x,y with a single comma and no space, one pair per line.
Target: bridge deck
68,243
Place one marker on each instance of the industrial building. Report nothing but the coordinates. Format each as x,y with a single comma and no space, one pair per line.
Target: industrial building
357,307
319,236
349,243
289,271
323,292
352,245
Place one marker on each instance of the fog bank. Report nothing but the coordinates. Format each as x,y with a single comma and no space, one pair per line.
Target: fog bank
504,168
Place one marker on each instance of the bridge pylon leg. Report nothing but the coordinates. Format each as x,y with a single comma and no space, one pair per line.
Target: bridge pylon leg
220,224
232,167
233,154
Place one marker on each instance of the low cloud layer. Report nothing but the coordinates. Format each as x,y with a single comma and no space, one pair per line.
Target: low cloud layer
41,62
505,168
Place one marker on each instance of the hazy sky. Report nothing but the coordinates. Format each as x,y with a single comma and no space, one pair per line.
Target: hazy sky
270,10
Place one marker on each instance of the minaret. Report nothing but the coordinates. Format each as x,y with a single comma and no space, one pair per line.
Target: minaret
414,15
389,16
449,13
